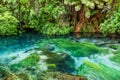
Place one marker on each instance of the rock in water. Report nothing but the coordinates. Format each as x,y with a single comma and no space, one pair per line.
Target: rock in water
61,76
66,64
60,62
49,47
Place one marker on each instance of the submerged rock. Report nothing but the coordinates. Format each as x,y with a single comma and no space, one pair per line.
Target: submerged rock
60,62
49,47
66,64
101,43
6,74
114,47
18,77
52,61
61,76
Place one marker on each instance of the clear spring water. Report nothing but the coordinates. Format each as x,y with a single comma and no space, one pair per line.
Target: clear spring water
17,45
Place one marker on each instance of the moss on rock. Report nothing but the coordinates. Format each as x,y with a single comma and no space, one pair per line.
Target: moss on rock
59,62
30,61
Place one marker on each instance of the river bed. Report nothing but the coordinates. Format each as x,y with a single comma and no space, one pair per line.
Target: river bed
97,63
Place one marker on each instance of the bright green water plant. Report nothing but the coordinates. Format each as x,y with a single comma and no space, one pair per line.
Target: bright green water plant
75,48
116,57
112,24
98,71
30,61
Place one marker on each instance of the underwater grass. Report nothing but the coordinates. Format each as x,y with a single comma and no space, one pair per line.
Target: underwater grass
98,71
75,48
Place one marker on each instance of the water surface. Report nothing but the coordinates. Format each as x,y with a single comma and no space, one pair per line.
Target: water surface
97,66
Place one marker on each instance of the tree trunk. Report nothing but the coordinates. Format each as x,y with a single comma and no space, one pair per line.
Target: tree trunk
19,13
81,22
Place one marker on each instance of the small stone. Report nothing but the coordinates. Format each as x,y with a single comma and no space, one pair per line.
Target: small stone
49,47
114,47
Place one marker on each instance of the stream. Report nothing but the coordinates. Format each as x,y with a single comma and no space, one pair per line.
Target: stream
97,63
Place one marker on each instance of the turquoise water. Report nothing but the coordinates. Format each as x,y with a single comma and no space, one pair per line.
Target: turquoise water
95,65
18,43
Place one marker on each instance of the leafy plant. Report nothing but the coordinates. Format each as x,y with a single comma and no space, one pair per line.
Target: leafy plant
111,25
49,19
84,12
8,24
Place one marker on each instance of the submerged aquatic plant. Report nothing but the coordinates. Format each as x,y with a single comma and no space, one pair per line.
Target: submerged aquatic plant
116,57
30,61
95,71
75,48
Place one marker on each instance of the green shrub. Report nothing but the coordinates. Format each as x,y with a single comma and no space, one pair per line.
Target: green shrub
54,29
8,24
111,25
49,16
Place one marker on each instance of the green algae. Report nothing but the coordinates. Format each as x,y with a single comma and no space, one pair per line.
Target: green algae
116,57
114,47
75,48
98,71
92,65
30,61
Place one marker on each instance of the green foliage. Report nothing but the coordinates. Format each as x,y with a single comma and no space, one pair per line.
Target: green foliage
49,19
46,19
89,5
111,25
8,24
48,16
54,29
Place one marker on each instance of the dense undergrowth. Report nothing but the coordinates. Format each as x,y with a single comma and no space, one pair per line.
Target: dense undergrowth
111,25
8,24
56,17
